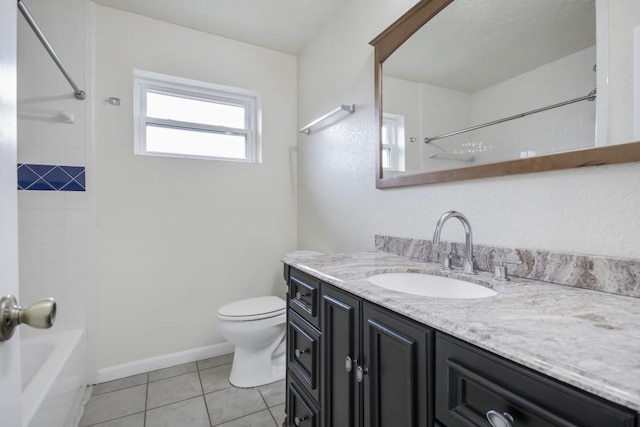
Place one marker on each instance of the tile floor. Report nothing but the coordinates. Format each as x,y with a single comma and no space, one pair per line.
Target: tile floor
196,394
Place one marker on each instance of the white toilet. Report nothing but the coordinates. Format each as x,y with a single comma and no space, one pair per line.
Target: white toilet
256,326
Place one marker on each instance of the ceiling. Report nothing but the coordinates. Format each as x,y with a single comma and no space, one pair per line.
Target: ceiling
474,44
283,25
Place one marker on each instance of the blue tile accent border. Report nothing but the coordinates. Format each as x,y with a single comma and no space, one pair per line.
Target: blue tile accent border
51,177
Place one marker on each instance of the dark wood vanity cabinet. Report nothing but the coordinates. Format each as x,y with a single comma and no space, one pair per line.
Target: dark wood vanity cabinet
397,358
351,363
341,391
375,364
303,350
471,381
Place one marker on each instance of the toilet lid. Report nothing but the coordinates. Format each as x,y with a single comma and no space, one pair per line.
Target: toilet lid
253,308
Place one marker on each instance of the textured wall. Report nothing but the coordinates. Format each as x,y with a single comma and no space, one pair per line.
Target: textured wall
590,210
178,238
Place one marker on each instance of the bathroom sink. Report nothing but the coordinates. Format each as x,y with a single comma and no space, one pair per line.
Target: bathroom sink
430,285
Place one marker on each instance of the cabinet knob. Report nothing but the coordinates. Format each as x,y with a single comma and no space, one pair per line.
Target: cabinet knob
299,352
496,419
348,364
360,373
299,295
297,420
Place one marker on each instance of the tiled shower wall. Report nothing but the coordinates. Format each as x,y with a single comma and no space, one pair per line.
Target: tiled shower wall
54,130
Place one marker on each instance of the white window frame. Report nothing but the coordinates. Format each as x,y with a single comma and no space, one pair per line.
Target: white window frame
393,126
145,81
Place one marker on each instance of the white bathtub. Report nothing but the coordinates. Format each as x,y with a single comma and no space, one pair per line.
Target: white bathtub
54,378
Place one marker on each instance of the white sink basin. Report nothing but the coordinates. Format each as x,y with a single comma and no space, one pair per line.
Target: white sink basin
430,285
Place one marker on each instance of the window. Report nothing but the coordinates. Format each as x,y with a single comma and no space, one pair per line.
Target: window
393,142
177,117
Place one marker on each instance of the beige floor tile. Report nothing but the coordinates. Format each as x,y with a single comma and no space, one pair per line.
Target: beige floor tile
260,419
215,361
273,393
278,414
173,390
188,413
172,371
113,405
136,420
120,384
233,403
214,379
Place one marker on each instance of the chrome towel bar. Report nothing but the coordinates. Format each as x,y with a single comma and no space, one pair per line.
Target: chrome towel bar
349,108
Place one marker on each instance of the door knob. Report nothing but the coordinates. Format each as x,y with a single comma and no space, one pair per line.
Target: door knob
40,314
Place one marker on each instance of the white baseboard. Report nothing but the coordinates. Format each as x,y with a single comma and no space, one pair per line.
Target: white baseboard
159,362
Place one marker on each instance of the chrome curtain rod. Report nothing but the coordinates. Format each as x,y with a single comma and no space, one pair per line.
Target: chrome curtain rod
77,92
590,97
349,108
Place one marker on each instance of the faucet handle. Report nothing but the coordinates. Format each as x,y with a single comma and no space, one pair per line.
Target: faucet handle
446,259
500,268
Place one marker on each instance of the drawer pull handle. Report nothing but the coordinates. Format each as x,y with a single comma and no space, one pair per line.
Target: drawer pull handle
348,364
299,295
360,373
297,420
299,352
499,420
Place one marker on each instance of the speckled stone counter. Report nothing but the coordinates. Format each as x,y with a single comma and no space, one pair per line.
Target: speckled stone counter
585,338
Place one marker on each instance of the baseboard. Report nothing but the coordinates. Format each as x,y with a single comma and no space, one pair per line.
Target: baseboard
160,362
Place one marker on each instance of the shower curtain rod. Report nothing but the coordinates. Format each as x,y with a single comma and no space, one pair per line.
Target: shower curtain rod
590,97
77,92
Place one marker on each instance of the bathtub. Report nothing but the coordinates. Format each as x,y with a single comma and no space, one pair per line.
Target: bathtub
54,378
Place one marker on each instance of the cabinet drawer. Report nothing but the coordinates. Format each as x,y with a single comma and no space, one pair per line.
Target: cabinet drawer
304,296
470,382
303,354
301,411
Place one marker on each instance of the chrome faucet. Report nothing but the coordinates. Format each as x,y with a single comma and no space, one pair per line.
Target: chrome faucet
468,261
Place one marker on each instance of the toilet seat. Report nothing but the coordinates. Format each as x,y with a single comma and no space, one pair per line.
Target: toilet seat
252,309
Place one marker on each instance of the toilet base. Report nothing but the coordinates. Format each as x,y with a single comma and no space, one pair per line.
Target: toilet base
251,369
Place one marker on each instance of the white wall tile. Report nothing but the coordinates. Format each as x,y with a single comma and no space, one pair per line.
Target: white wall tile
52,200
75,199
75,217
53,218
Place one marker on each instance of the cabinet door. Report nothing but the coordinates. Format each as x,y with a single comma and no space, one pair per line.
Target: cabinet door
397,360
340,344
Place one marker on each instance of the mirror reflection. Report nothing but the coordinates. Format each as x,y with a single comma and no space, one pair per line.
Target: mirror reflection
487,81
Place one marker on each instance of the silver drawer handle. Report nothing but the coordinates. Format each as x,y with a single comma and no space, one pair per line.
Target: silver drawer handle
299,352
348,364
496,419
297,420
299,295
360,373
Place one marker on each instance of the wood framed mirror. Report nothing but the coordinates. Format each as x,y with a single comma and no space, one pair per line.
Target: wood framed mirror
469,89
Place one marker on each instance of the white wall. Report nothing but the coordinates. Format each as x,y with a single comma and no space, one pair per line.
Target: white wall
178,238
560,129
615,34
589,210
441,110
54,230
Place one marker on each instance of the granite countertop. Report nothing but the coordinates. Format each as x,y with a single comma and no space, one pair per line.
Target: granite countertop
585,338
